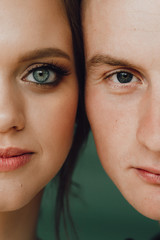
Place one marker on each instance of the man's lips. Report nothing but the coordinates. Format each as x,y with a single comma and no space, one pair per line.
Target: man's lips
13,158
149,175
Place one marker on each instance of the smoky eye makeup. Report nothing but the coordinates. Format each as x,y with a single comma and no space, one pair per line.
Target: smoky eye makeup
45,74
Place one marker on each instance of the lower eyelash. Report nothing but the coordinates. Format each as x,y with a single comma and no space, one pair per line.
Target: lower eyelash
44,85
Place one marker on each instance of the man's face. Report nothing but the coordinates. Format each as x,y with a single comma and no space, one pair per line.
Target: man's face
122,48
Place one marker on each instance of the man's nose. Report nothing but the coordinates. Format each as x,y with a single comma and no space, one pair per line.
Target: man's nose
148,132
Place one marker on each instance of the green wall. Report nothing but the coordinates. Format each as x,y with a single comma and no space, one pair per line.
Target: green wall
100,212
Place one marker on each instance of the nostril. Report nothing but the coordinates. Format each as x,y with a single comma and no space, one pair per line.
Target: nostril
15,127
11,121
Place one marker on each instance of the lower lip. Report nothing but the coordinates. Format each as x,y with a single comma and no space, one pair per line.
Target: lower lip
148,176
12,163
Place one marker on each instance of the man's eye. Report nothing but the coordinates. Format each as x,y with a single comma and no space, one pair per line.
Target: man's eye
41,75
123,77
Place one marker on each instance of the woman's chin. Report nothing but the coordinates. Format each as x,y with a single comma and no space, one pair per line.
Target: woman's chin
13,204
17,201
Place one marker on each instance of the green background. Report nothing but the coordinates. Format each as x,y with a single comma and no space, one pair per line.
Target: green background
100,212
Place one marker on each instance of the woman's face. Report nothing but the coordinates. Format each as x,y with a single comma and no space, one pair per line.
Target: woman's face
38,97
122,47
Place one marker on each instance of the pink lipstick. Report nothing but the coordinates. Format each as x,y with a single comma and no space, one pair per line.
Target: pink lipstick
149,175
13,158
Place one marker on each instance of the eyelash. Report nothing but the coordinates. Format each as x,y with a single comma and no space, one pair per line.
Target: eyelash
59,71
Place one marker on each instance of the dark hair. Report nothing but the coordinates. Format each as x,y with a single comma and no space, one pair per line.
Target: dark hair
82,126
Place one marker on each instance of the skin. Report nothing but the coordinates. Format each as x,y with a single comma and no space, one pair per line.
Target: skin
33,117
124,36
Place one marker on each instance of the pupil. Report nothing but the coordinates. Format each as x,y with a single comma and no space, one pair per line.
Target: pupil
124,77
41,75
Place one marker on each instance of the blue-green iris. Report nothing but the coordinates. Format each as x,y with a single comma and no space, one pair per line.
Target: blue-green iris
41,75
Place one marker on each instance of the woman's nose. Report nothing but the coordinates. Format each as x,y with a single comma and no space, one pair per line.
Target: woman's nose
148,133
11,111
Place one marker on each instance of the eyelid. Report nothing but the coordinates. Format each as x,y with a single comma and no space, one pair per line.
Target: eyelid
58,68
36,65
131,71
33,66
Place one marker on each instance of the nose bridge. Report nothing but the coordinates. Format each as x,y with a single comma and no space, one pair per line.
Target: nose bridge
11,115
148,132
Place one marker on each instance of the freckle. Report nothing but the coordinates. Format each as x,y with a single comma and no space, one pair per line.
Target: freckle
115,124
116,121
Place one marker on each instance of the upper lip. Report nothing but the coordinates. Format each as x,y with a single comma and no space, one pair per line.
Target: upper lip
12,152
149,169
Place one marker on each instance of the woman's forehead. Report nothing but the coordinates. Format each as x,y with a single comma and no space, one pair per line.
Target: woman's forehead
30,8
33,24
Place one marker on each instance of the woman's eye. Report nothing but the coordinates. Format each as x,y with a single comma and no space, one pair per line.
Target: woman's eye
123,78
41,75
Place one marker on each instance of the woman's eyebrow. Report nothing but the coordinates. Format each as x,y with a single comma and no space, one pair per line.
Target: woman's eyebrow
43,53
98,60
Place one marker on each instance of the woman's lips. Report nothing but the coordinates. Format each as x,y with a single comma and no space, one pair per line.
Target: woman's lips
13,158
149,175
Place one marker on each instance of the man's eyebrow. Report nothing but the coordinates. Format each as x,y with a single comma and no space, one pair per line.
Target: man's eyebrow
43,53
98,60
